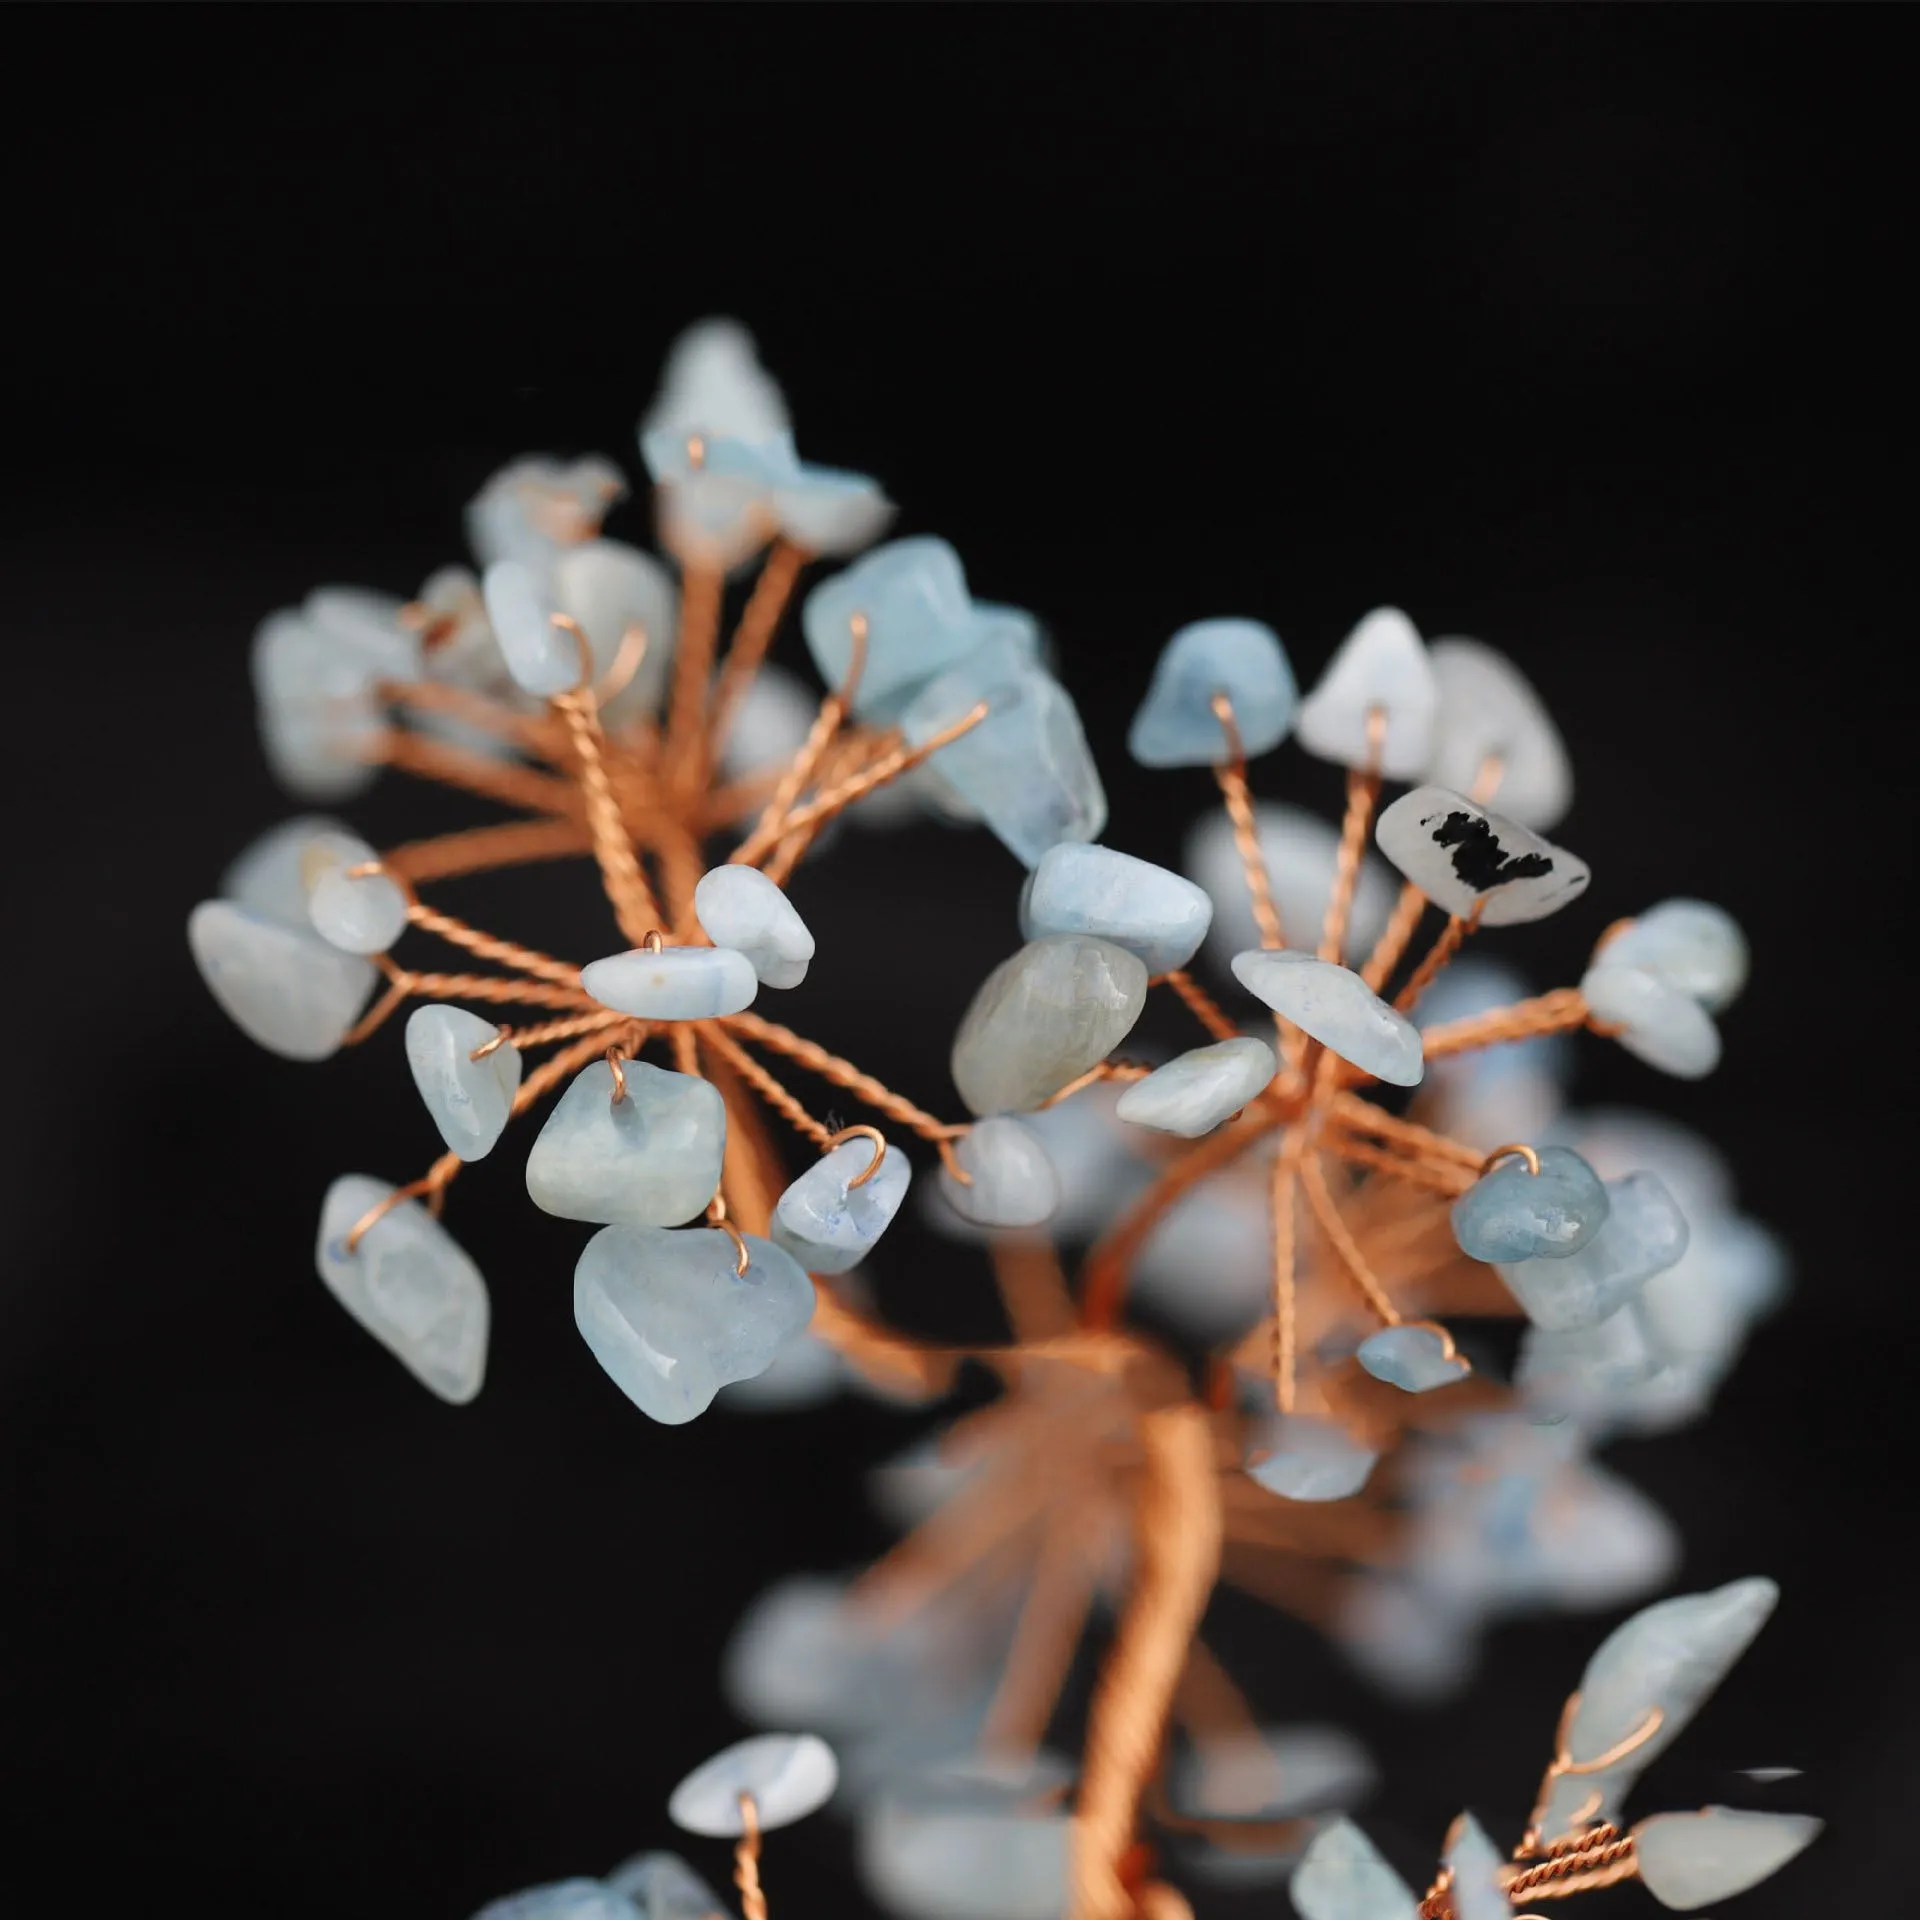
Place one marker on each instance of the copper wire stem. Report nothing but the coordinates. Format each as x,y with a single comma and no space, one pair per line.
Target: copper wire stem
483,849
501,780
1445,946
701,585
634,906
759,621
746,1862
1199,1002
489,946
1560,1011
842,1073
1284,1187
1314,1179
764,1084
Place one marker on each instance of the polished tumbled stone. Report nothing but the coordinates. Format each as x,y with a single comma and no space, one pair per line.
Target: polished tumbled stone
673,983
566,1900
1475,1863
609,587
268,876
1512,1213
664,1887
1414,1359
739,907
829,511
1043,1017
1013,1179
651,1158
370,623
669,1318
1642,1233
470,1100
1333,1005
1156,915
282,986
1242,659
1657,1023
356,912
1195,1091
1691,1860
1010,1862
789,1775
1488,713
1380,665
913,596
1341,1876
543,656
1468,859
830,1225
1304,1458
409,1284
1690,945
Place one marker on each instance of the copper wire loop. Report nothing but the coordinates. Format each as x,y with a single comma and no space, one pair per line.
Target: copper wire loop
717,1217
874,1137
568,624
654,942
1512,1149
426,1186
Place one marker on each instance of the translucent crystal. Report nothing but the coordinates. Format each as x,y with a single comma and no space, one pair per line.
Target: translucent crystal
1475,1864
1013,1180
913,596
830,1225
740,907
536,506
670,1319
1490,722
826,511
1195,1091
284,988
789,1775
1154,914
664,1887
1643,1233
268,876
1057,1007
1381,667
1336,1007
370,624
1691,946
673,983
1177,726
1512,1213
470,1100
1690,1860
1589,1373
651,1158
408,1283
358,913
543,657
319,712
1414,1359
1303,1458
608,587
713,383
565,1900
1659,1024
1466,859
966,1863
1342,1877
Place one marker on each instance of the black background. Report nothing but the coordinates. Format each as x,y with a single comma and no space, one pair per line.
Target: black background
1576,329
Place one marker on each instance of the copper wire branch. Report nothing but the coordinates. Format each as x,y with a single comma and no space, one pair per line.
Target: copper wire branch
1199,1002
633,903
486,849
478,773
758,624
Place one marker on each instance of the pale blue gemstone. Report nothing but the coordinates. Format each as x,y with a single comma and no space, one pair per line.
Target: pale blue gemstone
1642,1233
652,1158
1414,1359
1692,1860
673,983
664,1887
830,1225
1381,666
672,1322
913,595
1689,945
609,588
1341,1876
719,505
268,877
1195,1091
369,623
470,1100
1660,1024
543,657
1007,1861
1303,1458
534,507
1475,1861
739,907
1336,1007
320,715
1591,1374
1014,1183
358,913
1513,1214
827,511
409,1284
565,1900
1156,915
789,1775
1489,713
282,986
1177,726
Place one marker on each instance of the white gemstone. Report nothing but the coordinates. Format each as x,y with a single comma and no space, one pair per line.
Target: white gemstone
369,623
1013,1179
789,1775
364,913
1475,1862
268,877
651,1158
1337,1008
1466,858
1195,1091
534,507
470,1100
826,1222
1659,1024
673,983
1380,666
1154,914
566,1900
609,587
409,1284
543,657
283,987
1690,1860
822,510
1303,1458
965,1863
1691,946
320,716
770,725
1342,1877
713,384
1488,712
664,1887
741,908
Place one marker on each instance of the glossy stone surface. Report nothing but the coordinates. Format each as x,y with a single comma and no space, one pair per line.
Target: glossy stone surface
1476,1862
673,983
1466,858
664,1887
1156,915
1381,664
1195,1091
1341,1876
1336,1007
409,1284
651,1158
739,907
268,876
1659,1024
1487,711
363,913
1303,1458
1014,1183
1043,1017
470,1100
1414,1359
830,1225
282,986
608,587
672,1322
789,1775
1691,946
565,1900
913,596
1642,1233
1690,1860
1243,659
1512,1213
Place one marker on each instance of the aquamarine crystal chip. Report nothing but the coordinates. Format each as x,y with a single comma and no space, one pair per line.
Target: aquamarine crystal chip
1414,1359
672,1321
739,907
1057,1007
651,1158
356,912
1156,915
789,1775
1195,1091
1512,1213
1336,1007
1641,1233
1667,1028
1691,946
470,1100
1341,1876
1475,1864
1380,670
1492,735
826,1222
408,1283
664,1887
268,876
1014,1181
1691,1860
566,1900
610,587
1242,659
913,596
827,510
1469,860
1300,1457
543,656
673,983
283,987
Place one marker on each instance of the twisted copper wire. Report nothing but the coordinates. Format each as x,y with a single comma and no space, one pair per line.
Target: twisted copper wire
549,1030
1394,936
1445,946
483,849
491,987
1362,1116
759,621
502,780
489,946
764,1084
1560,1011
477,710
1599,1857
843,1073
1363,793
1199,1002
1314,1179
1283,1187
634,906
700,591
746,1862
